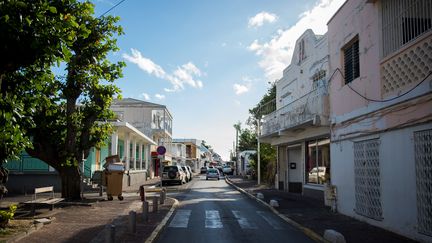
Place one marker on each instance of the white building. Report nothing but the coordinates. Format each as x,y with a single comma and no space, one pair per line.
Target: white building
300,125
153,120
178,153
244,163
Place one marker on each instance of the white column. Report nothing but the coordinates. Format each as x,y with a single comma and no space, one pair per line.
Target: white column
140,156
127,149
134,153
114,143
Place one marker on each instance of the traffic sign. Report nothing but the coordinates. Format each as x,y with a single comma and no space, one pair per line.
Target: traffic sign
161,150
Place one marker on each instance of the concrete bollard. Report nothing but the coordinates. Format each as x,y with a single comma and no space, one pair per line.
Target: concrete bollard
110,234
155,204
132,222
260,195
274,203
334,236
145,211
162,196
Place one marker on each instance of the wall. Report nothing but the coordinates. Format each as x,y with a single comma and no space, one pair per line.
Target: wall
398,180
362,19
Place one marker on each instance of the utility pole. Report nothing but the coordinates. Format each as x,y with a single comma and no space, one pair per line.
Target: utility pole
258,149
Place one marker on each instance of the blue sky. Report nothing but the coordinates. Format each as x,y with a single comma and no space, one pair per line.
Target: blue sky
209,61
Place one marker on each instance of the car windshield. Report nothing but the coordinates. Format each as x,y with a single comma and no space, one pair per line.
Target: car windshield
170,168
212,171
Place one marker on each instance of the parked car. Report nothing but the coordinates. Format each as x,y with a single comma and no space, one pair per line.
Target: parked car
188,173
190,170
220,169
173,173
212,173
317,172
227,170
203,169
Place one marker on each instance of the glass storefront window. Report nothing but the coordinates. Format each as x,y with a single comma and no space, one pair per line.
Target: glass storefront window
317,167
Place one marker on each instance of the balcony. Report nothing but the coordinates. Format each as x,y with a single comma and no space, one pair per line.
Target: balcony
312,109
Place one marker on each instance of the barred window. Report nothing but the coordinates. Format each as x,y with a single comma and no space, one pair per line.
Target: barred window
403,21
367,179
423,158
351,61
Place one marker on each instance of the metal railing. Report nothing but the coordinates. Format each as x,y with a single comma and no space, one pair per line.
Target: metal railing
306,108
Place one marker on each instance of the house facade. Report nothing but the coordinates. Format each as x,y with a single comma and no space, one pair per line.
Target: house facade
178,153
193,152
381,113
299,127
154,121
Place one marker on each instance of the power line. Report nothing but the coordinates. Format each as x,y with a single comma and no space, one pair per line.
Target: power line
375,100
113,7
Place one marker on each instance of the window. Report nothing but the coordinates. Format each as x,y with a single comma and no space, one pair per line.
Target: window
351,61
423,158
301,52
318,79
403,21
317,161
367,179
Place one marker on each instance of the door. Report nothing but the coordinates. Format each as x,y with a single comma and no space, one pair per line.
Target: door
294,169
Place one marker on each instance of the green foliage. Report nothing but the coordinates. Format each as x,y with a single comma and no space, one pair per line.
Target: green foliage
6,215
63,115
247,140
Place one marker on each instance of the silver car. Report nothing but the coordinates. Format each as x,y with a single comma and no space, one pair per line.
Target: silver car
212,173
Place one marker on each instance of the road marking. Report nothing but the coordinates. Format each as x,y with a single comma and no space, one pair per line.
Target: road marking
243,222
181,219
270,220
213,220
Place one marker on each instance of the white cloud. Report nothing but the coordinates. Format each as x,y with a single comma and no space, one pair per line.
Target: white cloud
145,64
276,54
146,96
240,89
159,96
259,19
185,74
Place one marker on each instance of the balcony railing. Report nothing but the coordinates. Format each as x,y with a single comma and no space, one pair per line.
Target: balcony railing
307,108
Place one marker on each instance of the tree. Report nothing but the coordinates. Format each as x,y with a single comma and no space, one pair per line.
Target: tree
32,36
71,108
267,152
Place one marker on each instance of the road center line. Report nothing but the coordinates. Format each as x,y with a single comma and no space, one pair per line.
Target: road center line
270,220
243,222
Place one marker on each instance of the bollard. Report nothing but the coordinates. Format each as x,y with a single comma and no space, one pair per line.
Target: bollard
161,196
132,221
142,193
145,211
110,234
155,204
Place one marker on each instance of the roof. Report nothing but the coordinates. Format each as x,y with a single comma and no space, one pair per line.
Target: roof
131,101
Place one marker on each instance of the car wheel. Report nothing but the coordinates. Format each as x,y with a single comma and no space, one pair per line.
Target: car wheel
206,179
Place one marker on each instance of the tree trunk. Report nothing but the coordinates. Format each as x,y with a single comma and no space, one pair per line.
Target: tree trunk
71,182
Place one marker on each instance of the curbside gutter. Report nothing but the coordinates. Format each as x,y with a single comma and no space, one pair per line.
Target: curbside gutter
153,237
310,233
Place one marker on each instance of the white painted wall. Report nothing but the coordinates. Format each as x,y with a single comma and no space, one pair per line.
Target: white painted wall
398,180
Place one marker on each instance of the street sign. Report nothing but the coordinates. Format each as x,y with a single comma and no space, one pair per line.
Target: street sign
161,150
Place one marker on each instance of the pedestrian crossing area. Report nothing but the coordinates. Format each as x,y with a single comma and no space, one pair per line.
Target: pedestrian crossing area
213,220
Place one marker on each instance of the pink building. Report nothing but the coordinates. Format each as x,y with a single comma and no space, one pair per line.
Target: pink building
381,113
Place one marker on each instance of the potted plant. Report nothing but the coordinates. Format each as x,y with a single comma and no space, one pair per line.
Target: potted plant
6,215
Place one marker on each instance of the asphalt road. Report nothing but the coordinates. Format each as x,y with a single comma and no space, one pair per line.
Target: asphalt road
213,211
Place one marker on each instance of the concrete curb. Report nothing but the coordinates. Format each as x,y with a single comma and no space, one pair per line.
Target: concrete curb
22,235
153,237
310,233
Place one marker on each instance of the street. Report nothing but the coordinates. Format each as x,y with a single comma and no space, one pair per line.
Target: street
212,211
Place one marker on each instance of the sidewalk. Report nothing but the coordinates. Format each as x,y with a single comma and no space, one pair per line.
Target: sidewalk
88,221
311,213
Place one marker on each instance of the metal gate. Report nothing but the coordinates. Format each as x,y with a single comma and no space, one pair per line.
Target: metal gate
367,179
423,161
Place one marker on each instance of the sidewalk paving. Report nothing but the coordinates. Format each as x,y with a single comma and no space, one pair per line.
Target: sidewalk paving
88,221
311,213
